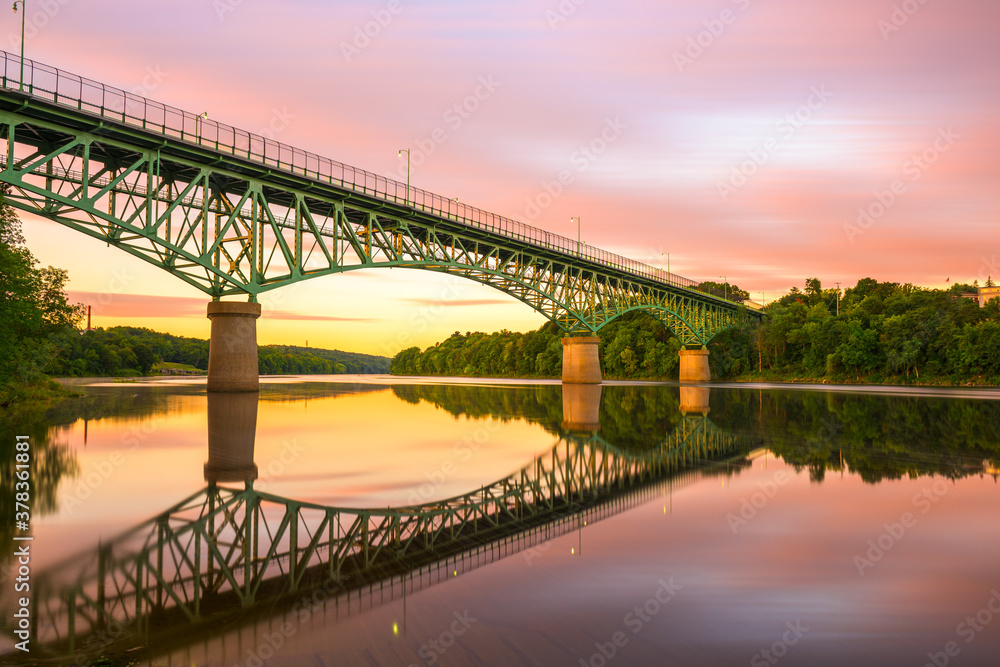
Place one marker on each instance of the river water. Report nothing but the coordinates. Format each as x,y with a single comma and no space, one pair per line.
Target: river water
737,524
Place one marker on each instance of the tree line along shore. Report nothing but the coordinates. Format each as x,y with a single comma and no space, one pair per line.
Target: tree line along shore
874,332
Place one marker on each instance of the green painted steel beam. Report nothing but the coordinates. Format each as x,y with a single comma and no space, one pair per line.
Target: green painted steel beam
233,222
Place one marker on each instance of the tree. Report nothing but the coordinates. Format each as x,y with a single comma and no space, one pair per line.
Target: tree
814,289
33,305
725,290
145,357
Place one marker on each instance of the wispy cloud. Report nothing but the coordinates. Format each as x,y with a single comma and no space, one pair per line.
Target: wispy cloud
457,302
139,305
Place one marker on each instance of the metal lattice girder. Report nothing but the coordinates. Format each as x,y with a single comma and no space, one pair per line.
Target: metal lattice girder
235,214
225,550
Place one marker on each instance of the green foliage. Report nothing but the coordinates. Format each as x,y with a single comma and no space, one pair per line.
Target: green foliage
289,359
119,351
885,332
634,345
724,290
33,307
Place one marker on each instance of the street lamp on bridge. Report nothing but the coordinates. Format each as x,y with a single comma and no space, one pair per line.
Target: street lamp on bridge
577,218
197,125
406,198
24,14
725,289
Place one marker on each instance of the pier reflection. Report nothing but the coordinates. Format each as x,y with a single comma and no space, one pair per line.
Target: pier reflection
232,427
695,399
581,404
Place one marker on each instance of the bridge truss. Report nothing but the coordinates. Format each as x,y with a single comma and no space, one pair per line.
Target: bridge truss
233,213
224,551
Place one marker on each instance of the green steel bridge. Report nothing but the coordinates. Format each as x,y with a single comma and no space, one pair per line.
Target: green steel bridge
237,214
225,555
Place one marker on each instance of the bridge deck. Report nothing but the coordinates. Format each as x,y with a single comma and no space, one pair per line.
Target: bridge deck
91,106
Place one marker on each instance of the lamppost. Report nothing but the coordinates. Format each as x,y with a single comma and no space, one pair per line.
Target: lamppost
577,218
838,299
725,290
197,125
455,199
668,263
24,14
406,198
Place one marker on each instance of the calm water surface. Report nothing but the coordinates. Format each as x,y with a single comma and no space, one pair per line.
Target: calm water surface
747,524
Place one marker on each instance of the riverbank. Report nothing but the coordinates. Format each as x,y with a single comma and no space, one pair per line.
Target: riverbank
17,400
772,377
913,381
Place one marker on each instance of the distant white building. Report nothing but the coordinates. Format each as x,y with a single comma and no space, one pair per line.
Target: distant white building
983,295
987,293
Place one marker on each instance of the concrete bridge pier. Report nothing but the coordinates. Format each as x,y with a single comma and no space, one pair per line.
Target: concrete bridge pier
581,365
232,351
232,429
694,366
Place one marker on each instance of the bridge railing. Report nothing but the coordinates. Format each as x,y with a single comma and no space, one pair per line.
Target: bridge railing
55,85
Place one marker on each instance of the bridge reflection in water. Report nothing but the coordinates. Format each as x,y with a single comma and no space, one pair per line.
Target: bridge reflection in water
235,554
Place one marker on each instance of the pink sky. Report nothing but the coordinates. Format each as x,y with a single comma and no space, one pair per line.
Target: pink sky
837,101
